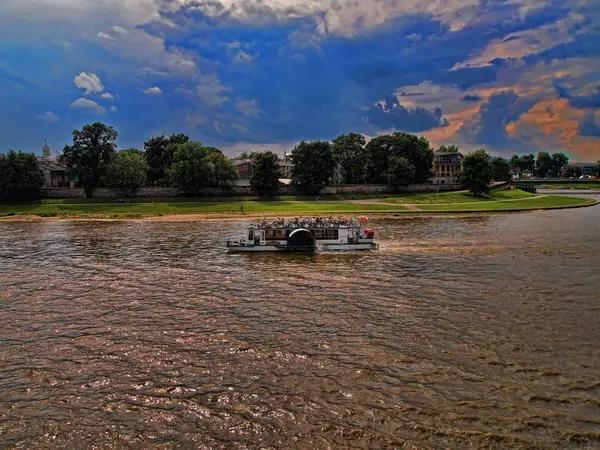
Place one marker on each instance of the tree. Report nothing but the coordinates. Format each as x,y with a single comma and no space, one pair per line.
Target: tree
379,150
349,152
313,165
544,164
20,177
501,169
448,149
159,152
400,172
574,172
598,169
86,159
527,162
126,171
224,171
559,160
476,172
243,155
264,180
515,162
415,149
191,169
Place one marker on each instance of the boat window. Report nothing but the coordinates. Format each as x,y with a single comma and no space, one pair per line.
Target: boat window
274,234
250,234
331,233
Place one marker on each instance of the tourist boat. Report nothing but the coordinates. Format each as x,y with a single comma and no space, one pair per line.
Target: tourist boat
306,234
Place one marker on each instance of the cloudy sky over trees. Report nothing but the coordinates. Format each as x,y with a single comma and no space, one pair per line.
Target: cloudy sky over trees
514,76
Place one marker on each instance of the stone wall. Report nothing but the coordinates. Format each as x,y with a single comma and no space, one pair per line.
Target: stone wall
157,191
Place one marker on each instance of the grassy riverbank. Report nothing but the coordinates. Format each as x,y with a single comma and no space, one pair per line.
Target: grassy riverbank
508,200
460,197
554,184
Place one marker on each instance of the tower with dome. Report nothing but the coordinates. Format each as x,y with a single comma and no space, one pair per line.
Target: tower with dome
46,151
55,175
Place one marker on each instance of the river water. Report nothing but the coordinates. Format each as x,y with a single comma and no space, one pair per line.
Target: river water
460,332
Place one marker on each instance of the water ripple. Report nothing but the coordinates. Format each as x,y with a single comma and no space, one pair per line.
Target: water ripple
461,332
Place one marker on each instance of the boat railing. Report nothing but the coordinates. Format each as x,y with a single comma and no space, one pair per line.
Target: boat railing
315,223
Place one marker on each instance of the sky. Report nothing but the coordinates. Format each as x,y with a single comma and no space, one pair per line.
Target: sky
510,76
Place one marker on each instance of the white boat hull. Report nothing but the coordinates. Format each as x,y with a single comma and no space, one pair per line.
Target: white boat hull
320,248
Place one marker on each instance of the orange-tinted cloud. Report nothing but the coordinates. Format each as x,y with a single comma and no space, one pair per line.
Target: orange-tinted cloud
527,42
554,125
438,136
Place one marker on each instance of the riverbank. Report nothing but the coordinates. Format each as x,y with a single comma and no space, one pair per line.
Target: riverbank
452,202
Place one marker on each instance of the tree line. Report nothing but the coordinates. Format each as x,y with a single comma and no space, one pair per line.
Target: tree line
93,161
398,159
545,165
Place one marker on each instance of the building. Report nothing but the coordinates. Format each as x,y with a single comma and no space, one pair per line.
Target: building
286,165
587,168
55,175
244,167
446,167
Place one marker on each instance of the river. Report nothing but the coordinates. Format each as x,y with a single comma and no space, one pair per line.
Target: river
460,332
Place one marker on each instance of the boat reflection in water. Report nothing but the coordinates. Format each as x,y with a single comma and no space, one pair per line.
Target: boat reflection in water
306,234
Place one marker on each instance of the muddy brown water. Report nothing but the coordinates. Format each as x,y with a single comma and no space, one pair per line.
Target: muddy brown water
460,332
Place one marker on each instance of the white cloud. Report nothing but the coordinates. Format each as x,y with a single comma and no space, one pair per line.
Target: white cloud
108,37
210,90
90,82
108,96
48,116
120,30
64,44
153,91
112,108
242,56
87,104
248,108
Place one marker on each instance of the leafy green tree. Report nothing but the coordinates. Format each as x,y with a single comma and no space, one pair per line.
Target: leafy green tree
515,162
501,169
476,172
574,172
243,155
559,160
415,149
20,177
313,165
191,170
224,171
527,162
126,171
598,169
349,152
448,149
159,151
264,180
86,160
544,164
379,151
400,172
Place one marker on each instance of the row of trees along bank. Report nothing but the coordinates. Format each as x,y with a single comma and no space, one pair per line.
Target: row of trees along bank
92,160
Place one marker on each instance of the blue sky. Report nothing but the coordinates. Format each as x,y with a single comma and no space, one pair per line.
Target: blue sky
510,76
